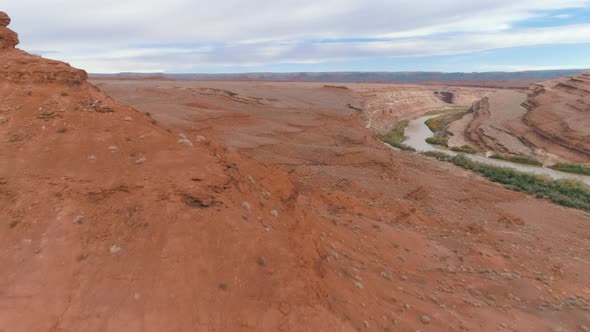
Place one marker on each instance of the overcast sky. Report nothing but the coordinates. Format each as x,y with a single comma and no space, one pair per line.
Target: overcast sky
300,35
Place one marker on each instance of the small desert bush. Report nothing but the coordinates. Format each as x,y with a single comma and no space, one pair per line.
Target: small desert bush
447,111
396,136
438,141
465,149
439,123
572,168
518,159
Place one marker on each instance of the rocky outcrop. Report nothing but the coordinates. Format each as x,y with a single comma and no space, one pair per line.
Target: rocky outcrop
8,38
494,122
19,66
4,19
551,122
559,113
447,97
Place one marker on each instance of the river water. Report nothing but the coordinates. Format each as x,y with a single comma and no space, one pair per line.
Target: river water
417,132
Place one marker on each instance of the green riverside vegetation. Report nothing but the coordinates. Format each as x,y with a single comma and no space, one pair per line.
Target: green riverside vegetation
465,149
518,159
448,111
442,141
439,123
570,193
572,168
396,136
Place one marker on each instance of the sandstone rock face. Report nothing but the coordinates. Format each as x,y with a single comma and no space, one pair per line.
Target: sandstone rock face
4,19
8,38
551,123
19,66
559,113
386,105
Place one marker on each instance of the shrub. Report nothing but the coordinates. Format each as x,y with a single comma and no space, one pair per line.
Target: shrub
396,136
520,159
448,111
572,168
439,123
438,141
465,149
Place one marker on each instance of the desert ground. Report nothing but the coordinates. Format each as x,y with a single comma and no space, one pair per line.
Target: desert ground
162,205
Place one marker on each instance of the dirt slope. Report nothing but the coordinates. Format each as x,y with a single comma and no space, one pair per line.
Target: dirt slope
400,236
109,222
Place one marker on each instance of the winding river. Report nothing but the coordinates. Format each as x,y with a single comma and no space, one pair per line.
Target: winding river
417,132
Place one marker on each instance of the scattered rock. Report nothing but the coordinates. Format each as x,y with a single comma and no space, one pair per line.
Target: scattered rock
425,319
366,324
128,119
274,213
386,275
200,139
113,148
140,161
584,328
115,248
261,261
246,206
185,141
78,220
358,284
92,157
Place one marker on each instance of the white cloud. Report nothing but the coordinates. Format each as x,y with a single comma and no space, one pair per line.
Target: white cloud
156,35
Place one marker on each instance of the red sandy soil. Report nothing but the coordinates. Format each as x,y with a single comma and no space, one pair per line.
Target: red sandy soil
552,123
287,215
